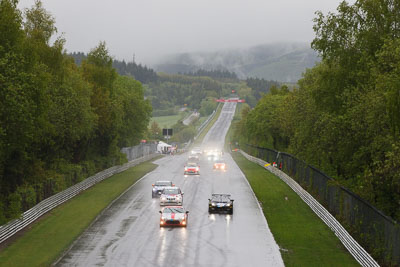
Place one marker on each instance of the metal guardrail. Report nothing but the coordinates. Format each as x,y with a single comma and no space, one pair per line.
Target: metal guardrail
31,215
205,123
347,240
201,128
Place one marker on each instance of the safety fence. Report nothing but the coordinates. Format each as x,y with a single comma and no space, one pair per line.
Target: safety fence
376,232
31,215
139,151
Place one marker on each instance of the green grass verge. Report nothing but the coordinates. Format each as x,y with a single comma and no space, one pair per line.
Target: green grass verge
46,240
200,120
200,138
304,239
166,121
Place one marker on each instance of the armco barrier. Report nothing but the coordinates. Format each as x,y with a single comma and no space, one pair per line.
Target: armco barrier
205,123
348,241
29,216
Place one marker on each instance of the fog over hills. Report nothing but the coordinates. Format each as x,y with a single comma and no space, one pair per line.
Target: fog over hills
284,62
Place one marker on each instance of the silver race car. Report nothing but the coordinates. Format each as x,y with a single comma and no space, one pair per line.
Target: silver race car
173,216
171,195
159,186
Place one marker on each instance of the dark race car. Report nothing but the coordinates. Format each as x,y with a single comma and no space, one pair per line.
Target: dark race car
173,216
159,186
220,203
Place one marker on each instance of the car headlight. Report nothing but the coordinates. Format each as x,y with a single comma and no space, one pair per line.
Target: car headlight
163,198
154,189
213,204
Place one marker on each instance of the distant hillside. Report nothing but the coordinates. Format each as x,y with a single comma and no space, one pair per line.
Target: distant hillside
284,62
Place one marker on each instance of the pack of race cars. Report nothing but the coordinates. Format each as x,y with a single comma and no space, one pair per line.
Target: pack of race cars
171,196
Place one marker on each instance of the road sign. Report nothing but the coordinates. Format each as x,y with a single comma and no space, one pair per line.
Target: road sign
167,132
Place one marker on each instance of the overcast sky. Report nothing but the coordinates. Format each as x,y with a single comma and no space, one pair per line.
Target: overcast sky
153,28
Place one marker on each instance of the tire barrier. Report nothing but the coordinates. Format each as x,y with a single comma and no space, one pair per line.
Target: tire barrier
347,240
31,215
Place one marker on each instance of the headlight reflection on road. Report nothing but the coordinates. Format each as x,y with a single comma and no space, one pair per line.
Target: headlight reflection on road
162,257
228,219
212,217
181,244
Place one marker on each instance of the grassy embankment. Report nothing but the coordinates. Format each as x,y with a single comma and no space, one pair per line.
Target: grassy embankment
303,238
167,121
46,239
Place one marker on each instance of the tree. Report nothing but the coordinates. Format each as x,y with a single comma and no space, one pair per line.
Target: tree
207,106
98,71
39,25
155,131
136,111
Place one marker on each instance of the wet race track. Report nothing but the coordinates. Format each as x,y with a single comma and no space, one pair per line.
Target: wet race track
128,233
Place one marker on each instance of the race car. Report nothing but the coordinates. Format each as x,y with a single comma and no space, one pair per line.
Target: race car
219,165
193,158
213,155
214,151
173,216
159,186
192,168
171,195
220,203
196,151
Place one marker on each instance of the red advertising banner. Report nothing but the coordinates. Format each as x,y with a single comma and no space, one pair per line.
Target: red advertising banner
231,100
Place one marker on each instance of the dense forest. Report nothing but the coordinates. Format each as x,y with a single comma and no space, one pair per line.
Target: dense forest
168,92
59,122
177,90
141,73
344,117
260,86
196,91
216,74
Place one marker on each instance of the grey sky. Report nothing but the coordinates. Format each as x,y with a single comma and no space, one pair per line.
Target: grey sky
153,28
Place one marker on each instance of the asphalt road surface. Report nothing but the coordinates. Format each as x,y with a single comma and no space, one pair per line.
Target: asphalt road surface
128,232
